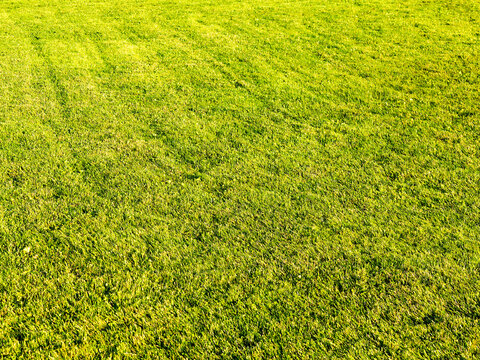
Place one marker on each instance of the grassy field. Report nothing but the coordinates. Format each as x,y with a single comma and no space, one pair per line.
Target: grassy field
240,179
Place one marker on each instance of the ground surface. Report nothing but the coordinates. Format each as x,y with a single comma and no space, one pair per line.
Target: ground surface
240,179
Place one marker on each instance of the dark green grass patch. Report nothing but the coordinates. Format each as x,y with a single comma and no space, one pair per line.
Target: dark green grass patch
240,179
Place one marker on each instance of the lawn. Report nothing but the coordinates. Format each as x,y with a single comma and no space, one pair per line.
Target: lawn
256,179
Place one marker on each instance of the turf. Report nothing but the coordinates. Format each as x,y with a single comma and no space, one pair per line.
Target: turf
240,179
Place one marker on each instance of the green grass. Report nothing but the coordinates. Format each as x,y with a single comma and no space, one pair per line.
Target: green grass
240,179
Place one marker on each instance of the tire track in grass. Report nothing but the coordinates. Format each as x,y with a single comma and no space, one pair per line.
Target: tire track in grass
38,206
44,126
130,38
35,41
60,91
192,44
135,103
129,35
64,132
96,253
104,41
217,55
274,124
128,125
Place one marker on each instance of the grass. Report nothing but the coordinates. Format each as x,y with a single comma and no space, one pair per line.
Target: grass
240,179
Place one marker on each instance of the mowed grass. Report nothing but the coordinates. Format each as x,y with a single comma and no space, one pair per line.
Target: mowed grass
240,179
